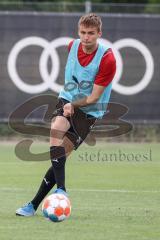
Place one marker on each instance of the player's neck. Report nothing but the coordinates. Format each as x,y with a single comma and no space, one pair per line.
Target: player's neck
89,49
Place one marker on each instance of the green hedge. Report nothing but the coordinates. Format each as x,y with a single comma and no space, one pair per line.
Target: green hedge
144,6
139,133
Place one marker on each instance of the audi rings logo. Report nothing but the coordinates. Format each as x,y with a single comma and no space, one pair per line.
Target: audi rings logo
49,51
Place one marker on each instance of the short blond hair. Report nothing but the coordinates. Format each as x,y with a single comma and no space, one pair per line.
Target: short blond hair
91,20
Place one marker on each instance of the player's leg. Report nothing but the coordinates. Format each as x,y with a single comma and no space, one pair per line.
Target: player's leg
81,125
76,130
59,148
49,180
58,128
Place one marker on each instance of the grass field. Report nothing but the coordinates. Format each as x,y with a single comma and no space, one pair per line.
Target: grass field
112,198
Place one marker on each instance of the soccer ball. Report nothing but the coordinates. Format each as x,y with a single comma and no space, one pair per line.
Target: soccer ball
56,207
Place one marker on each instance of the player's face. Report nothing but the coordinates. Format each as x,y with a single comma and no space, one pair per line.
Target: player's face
88,36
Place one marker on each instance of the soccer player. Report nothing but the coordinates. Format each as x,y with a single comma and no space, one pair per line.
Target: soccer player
89,72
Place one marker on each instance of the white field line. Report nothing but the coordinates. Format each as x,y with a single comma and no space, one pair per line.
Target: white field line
114,190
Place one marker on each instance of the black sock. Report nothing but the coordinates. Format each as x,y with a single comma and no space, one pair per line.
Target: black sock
46,185
58,159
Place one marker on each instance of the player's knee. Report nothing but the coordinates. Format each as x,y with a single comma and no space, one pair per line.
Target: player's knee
56,137
56,133
59,127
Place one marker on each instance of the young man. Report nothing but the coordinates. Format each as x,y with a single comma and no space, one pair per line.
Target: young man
89,72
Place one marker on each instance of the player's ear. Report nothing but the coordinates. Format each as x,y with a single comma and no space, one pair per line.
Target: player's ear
100,34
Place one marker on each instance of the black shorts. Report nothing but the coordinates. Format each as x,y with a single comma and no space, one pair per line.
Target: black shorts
81,123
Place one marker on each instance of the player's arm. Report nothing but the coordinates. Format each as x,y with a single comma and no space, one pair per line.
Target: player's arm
88,100
93,98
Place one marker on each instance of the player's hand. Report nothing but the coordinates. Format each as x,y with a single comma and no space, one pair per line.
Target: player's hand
68,110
